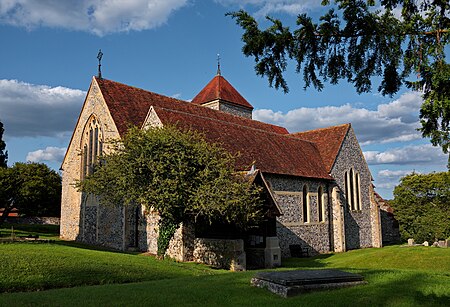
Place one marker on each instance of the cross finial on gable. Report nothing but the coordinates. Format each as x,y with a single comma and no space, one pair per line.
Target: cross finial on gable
99,57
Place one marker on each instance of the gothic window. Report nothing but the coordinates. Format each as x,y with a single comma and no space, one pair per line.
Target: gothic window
91,146
320,205
357,192
306,210
352,187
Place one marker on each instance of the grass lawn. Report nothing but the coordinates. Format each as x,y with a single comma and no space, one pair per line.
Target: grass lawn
397,276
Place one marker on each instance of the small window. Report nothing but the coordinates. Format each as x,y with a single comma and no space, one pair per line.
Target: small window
320,205
306,214
357,192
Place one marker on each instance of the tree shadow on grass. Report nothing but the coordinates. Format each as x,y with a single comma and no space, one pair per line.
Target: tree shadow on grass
309,262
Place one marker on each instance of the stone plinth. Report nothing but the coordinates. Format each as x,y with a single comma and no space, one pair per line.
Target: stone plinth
292,283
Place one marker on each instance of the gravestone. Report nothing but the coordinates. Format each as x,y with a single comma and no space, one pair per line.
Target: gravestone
290,283
410,242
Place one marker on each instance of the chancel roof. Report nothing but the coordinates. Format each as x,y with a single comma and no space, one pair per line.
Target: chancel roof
328,140
220,89
270,147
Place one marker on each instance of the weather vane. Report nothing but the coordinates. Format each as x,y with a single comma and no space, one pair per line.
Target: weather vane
99,57
218,64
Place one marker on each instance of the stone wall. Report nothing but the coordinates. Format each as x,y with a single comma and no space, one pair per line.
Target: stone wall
358,227
220,253
313,236
235,110
34,220
229,108
71,210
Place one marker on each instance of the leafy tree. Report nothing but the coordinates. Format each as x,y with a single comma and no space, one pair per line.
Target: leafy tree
422,206
354,41
178,174
3,153
32,188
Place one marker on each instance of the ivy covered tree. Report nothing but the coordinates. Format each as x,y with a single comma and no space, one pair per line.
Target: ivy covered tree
32,188
3,153
422,206
359,41
178,174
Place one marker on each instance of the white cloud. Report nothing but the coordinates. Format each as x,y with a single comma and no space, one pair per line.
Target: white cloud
396,121
408,155
52,154
38,110
265,7
388,179
394,174
96,16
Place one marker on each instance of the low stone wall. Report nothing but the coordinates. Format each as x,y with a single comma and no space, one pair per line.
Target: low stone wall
34,220
220,253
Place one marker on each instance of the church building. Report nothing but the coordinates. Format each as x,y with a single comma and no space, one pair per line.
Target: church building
316,184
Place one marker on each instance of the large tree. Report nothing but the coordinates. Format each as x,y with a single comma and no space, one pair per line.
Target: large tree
400,42
3,153
178,174
32,188
422,206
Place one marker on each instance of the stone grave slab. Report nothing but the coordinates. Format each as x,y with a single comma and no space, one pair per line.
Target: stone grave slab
290,283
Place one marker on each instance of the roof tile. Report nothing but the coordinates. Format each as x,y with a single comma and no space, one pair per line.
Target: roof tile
220,88
328,141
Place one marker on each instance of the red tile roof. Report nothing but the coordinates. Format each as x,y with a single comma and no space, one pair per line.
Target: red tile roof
270,146
328,141
129,106
220,88
271,152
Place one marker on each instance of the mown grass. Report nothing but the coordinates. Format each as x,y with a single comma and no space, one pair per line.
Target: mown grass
48,232
397,276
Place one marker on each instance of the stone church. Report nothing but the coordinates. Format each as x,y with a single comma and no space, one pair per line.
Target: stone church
317,185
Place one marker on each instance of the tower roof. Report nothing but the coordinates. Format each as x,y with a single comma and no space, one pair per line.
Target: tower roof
220,89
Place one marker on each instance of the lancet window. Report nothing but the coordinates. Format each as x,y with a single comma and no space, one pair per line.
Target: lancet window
352,185
306,209
91,146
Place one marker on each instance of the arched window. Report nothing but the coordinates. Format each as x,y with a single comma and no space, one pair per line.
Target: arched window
320,205
306,214
357,192
91,146
352,185
351,196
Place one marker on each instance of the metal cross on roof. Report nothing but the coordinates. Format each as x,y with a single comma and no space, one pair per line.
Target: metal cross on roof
99,57
218,64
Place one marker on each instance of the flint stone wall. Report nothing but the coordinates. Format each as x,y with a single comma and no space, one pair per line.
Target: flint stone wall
358,227
229,108
34,220
71,210
220,253
313,236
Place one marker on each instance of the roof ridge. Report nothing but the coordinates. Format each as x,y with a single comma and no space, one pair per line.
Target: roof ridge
194,107
319,129
235,124
148,91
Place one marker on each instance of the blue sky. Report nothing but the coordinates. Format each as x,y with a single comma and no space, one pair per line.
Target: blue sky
48,57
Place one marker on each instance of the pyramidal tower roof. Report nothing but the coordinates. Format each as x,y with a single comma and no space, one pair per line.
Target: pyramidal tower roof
220,89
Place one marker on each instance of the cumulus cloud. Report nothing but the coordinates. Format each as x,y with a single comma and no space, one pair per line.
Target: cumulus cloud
396,121
408,155
50,154
265,7
388,179
96,16
38,110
